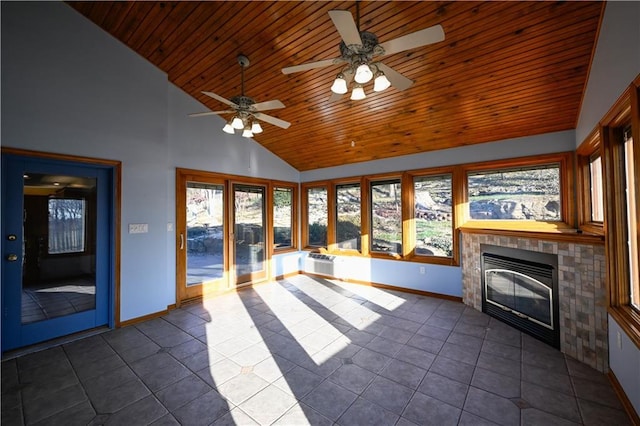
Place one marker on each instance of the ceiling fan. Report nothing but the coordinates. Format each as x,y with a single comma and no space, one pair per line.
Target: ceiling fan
359,50
246,110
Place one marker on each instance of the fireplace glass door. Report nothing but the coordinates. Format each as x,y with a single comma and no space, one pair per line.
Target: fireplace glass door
521,294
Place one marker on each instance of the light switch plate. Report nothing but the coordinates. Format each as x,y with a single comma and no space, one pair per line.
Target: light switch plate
138,228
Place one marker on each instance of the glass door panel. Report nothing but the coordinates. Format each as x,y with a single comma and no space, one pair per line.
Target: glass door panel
202,243
205,227
249,232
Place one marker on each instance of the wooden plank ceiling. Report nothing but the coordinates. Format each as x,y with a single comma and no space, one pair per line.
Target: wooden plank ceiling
505,69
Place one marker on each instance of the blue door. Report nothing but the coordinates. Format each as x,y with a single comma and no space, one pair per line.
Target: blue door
57,228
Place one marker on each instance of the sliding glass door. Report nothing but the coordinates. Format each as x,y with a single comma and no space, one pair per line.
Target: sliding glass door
221,234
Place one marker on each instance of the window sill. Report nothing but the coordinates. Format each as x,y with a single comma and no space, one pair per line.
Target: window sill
594,228
277,251
629,320
549,231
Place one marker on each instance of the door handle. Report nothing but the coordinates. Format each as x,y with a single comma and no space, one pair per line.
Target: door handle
181,241
12,257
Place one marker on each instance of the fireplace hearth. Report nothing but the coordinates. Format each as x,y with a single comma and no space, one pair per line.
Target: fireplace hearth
520,288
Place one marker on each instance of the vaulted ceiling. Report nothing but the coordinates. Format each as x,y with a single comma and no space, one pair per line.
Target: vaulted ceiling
504,70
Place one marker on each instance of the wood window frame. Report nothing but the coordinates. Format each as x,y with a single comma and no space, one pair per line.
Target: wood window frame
409,225
304,226
588,149
624,112
294,215
567,224
368,212
332,229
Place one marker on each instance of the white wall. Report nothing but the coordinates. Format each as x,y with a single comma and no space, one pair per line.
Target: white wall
68,87
615,65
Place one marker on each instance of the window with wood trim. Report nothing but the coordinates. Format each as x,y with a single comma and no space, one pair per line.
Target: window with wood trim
631,199
620,132
385,198
348,217
433,215
284,217
530,193
590,189
595,189
316,216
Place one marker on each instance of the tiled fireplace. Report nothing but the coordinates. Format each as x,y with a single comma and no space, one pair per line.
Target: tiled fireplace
582,315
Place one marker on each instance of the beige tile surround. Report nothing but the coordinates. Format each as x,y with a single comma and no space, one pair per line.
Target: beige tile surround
582,293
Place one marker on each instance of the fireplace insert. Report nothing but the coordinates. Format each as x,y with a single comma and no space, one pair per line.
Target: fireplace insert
520,288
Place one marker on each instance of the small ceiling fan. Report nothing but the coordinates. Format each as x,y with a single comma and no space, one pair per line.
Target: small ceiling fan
246,110
359,50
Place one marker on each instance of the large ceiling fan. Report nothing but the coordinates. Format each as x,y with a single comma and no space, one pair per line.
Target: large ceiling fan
359,50
246,110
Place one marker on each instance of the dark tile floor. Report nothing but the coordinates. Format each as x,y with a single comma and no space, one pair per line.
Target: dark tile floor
308,351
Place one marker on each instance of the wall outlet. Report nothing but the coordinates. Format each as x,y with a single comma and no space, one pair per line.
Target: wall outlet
169,226
422,270
138,228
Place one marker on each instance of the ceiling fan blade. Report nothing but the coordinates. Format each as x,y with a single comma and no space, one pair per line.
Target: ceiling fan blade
220,99
311,65
396,79
410,41
202,114
272,120
346,26
264,106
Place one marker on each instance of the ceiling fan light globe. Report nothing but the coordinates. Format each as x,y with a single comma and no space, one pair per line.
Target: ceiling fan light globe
237,123
381,82
358,93
247,133
256,127
363,74
228,128
339,85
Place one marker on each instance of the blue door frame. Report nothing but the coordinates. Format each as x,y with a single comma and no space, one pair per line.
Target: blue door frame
14,333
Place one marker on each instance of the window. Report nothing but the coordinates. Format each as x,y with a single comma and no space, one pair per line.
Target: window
317,217
283,208
527,193
67,218
595,188
433,197
348,216
631,219
386,217
620,157
590,195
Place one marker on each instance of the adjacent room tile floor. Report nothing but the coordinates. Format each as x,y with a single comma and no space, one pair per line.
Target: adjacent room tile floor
308,351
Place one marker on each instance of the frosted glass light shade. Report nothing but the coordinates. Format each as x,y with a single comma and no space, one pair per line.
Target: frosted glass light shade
357,93
237,123
247,133
363,74
228,128
256,127
339,85
381,82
